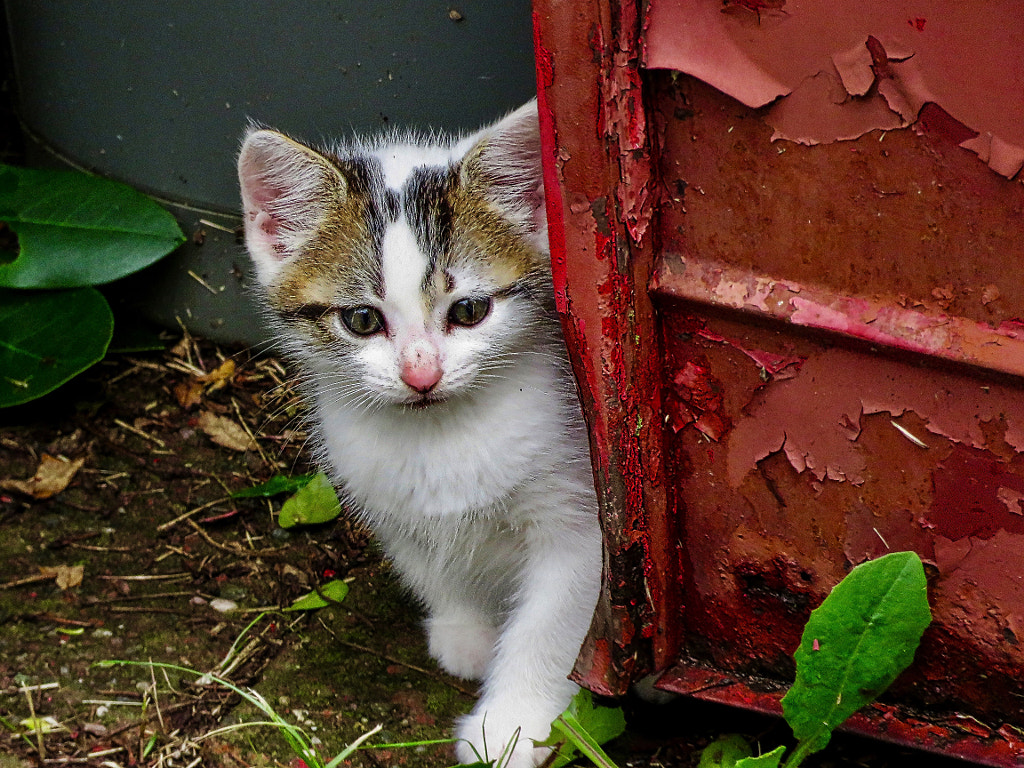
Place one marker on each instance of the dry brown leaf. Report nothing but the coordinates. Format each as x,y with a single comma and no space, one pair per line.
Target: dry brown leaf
67,576
51,477
220,376
226,432
188,393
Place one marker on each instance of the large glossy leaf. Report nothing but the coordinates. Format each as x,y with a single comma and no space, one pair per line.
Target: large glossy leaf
75,230
47,337
855,644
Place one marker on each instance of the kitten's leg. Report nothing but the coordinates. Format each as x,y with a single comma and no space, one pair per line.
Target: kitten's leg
461,634
527,686
461,639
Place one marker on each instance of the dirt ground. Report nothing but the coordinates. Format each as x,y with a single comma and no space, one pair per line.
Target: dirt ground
140,554
148,520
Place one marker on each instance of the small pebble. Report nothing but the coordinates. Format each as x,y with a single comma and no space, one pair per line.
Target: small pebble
95,729
223,606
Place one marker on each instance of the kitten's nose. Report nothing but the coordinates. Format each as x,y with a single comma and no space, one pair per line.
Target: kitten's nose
422,375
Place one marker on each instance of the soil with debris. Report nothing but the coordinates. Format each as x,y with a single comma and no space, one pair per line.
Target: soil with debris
119,540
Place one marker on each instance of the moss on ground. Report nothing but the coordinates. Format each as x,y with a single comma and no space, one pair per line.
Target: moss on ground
149,579
358,665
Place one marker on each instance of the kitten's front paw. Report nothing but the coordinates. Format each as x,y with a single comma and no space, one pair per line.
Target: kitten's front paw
487,736
463,645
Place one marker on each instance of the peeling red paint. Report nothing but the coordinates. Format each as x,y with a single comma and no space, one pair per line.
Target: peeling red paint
934,120
603,180
809,58
698,401
976,495
753,6
922,329
772,363
549,145
981,594
746,620
813,416
835,367
624,123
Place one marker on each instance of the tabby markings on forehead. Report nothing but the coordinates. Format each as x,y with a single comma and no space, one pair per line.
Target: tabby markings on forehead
427,198
377,206
433,204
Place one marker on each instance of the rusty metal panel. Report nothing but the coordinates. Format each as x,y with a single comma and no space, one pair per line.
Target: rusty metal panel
842,361
792,358
600,198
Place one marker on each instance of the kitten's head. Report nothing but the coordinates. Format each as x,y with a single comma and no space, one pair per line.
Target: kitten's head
410,272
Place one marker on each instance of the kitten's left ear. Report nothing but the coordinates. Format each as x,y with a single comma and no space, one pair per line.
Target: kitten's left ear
288,191
504,163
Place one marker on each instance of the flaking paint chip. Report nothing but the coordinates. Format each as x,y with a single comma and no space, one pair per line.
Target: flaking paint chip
989,294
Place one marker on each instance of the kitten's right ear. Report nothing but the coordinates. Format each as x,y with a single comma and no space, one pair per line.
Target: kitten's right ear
287,191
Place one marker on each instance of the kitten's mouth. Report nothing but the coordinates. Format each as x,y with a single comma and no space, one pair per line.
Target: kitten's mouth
423,402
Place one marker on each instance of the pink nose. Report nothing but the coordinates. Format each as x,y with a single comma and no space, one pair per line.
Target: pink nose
422,376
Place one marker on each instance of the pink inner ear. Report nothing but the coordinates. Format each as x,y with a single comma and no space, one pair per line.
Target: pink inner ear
263,230
267,228
262,190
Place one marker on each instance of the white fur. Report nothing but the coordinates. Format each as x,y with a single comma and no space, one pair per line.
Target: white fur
398,159
487,511
484,501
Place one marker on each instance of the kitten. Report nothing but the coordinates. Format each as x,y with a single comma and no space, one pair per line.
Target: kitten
410,281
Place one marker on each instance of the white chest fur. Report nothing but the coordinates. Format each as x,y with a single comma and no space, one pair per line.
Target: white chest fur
449,459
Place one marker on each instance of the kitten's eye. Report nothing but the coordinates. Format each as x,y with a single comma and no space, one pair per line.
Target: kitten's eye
362,321
468,312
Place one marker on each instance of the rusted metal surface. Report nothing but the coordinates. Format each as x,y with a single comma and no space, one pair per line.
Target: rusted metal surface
826,72
837,386
793,359
951,734
600,197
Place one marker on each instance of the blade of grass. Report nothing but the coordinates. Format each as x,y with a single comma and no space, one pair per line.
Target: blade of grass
347,752
573,730
238,640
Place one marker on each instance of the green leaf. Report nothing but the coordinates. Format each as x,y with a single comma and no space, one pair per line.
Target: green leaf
724,751
272,487
74,229
333,591
602,723
854,645
316,502
582,728
47,338
767,760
